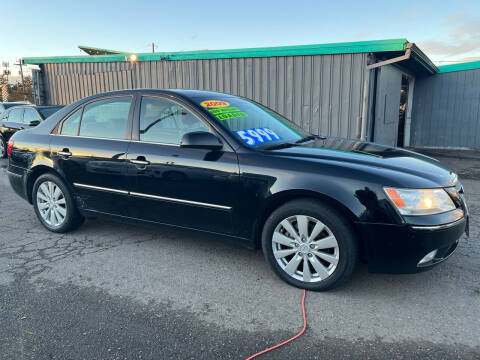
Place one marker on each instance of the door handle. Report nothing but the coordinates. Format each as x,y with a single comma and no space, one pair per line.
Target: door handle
140,162
65,152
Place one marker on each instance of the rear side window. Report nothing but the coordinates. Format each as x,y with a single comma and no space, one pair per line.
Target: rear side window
70,125
165,122
30,115
15,115
106,118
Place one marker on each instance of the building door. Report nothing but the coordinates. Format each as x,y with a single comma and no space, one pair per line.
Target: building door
402,115
389,84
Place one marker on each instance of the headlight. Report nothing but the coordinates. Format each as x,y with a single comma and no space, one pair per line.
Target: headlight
420,201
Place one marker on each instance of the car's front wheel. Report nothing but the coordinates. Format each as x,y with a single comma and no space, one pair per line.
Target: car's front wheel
310,245
54,204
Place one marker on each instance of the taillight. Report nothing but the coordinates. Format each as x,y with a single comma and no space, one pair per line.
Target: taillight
10,147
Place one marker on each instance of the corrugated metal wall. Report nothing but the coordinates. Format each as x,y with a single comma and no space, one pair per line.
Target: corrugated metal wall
446,110
321,93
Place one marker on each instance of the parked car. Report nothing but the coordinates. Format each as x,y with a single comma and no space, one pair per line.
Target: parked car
227,165
5,105
21,117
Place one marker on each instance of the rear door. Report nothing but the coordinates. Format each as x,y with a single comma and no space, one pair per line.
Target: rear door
90,151
195,188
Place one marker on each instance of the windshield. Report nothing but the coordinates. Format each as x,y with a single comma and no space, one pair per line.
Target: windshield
46,112
252,123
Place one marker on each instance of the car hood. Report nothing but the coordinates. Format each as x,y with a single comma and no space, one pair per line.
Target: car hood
356,153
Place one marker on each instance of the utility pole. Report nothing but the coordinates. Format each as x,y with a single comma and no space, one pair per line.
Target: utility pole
153,47
23,81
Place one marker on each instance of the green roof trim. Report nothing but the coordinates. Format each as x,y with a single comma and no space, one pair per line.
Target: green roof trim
471,65
317,49
73,59
84,48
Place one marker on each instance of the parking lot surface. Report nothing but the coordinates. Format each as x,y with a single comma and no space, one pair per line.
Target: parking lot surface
117,291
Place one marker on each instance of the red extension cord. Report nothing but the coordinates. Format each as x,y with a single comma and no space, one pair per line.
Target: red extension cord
289,340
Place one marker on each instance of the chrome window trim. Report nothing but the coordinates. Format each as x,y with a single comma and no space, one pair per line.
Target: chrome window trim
156,197
155,143
102,138
90,137
438,227
124,192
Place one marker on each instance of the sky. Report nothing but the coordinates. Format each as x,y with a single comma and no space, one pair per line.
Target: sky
444,30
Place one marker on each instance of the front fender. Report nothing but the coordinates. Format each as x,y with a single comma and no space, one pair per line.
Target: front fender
269,182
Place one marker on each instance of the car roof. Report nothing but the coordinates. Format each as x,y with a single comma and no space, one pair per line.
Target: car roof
35,106
179,92
10,104
47,106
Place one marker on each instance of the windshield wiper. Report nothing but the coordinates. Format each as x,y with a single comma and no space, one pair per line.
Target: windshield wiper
296,143
280,146
308,138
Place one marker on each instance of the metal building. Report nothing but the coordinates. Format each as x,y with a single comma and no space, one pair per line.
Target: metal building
446,108
362,90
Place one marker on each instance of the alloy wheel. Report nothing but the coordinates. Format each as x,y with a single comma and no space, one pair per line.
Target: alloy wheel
305,248
51,203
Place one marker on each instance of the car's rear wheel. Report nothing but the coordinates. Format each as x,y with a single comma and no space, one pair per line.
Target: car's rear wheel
3,148
310,245
54,204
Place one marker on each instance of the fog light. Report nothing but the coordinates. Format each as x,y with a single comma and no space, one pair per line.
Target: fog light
429,257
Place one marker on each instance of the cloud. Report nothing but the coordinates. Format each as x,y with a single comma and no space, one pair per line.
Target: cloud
463,39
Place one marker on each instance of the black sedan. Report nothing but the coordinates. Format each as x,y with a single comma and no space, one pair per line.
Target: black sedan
226,165
21,116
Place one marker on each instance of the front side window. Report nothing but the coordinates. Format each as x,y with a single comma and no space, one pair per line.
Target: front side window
252,123
30,115
166,122
106,118
15,115
70,125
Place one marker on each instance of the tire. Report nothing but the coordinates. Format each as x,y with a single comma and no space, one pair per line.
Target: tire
64,205
333,257
3,148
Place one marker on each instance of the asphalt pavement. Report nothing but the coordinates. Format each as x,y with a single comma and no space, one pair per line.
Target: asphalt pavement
115,291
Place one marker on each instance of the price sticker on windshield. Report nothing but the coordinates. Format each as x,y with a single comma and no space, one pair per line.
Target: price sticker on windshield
255,136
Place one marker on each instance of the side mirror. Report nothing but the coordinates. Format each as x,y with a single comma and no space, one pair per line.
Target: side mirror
34,123
201,140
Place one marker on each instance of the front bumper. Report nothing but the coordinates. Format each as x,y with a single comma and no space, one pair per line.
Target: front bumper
399,248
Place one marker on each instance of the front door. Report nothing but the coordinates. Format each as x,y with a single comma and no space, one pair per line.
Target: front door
12,123
194,188
90,152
